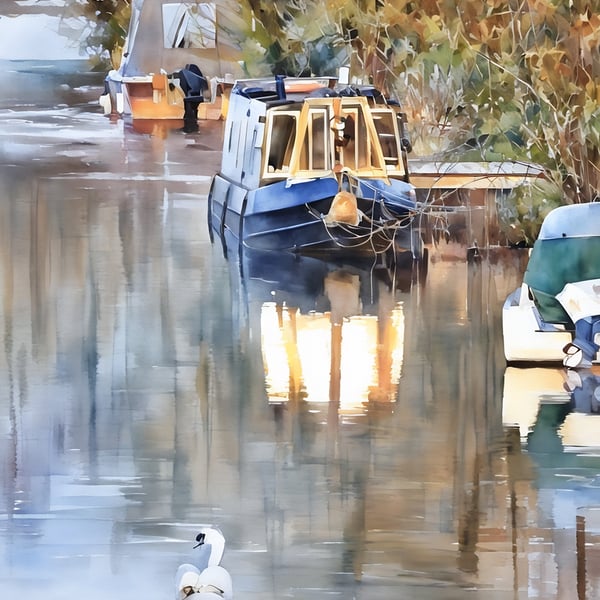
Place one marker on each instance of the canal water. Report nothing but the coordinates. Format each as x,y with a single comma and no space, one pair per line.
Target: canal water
352,429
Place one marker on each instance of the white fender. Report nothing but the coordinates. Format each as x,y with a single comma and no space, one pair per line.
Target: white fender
105,103
120,103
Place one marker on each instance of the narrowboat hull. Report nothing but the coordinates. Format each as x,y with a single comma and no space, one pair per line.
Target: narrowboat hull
293,217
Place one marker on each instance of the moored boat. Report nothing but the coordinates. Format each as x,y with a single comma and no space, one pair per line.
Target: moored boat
555,315
308,166
173,62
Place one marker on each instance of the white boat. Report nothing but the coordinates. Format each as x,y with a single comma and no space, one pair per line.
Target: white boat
173,61
555,315
205,577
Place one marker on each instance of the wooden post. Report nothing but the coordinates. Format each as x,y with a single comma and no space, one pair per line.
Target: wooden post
580,551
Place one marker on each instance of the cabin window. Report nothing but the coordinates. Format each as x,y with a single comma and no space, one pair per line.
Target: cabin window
336,131
349,151
189,25
315,150
357,149
385,124
281,138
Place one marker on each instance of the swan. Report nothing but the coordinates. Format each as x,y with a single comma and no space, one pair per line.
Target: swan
206,578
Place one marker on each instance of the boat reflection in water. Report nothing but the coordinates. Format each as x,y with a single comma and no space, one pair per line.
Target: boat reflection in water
552,416
556,408
331,332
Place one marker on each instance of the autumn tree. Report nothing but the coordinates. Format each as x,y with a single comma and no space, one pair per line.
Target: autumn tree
100,26
480,79
506,80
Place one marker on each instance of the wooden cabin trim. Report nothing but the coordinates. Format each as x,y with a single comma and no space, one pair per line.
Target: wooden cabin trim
368,140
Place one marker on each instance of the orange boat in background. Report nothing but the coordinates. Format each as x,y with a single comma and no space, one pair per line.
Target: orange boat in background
175,64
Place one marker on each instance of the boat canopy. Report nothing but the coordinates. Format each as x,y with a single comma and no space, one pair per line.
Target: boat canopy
573,220
566,251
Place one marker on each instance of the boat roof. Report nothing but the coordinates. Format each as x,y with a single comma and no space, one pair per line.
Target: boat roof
296,89
572,220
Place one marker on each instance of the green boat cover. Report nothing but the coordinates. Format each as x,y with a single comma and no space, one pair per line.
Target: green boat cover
554,263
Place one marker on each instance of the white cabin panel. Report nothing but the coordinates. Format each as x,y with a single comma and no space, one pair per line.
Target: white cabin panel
243,141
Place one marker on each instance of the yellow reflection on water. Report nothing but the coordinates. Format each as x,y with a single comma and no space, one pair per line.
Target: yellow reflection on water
525,389
352,361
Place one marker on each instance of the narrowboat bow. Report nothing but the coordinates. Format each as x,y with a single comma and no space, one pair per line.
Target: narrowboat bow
308,167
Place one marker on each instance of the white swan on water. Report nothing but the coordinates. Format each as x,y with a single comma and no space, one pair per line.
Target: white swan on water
206,578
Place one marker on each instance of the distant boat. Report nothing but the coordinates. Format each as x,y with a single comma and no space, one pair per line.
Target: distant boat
555,314
311,166
173,60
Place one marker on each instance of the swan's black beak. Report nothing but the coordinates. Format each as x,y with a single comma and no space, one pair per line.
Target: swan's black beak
200,539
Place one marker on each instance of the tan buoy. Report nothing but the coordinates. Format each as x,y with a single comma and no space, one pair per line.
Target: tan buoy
343,209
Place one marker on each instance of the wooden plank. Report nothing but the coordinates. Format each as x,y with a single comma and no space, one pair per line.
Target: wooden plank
471,175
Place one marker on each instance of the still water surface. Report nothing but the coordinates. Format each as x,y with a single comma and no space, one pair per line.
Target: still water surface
353,430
